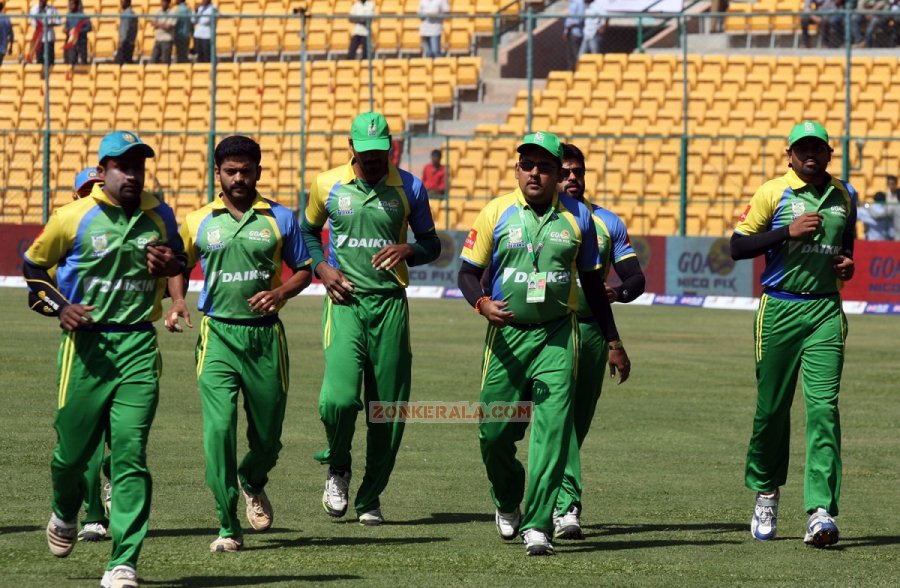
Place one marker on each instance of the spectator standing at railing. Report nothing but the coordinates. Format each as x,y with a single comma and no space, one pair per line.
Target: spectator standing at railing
360,12
43,32
434,176
718,23
432,13
203,23
882,22
7,37
127,34
573,32
164,37
182,32
76,28
877,219
595,25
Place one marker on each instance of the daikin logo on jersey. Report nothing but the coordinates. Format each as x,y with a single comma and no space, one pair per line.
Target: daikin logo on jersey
239,276
361,243
520,277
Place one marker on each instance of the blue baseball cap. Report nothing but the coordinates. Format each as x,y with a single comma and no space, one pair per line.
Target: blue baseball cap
87,176
119,142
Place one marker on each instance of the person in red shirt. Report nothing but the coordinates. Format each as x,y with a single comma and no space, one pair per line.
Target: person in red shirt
434,176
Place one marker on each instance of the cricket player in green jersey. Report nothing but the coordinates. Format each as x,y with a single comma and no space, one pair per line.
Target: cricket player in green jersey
113,250
528,246
615,252
369,204
805,224
241,241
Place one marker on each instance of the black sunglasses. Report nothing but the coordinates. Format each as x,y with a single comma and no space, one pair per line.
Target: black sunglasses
544,167
578,171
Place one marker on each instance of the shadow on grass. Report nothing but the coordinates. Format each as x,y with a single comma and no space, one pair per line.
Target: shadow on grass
847,543
342,542
608,529
214,581
448,518
20,529
585,546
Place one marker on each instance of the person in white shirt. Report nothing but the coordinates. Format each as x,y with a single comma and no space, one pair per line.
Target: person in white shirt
359,35
432,26
573,32
202,20
44,33
595,23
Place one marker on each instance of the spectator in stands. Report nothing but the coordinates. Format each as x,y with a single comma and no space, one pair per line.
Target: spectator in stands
595,25
893,192
718,23
44,33
7,37
878,220
203,17
434,176
360,13
882,24
573,32
127,34
432,13
76,28
164,37
182,32
827,35
396,151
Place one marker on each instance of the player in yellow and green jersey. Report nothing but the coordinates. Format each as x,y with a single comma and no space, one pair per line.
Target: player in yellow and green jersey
241,241
805,224
113,250
369,204
615,252
529,246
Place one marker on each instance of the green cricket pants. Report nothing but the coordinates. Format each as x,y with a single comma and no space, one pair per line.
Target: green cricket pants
107,381
529,364
234,356
790,337
94,511
589,375
367,349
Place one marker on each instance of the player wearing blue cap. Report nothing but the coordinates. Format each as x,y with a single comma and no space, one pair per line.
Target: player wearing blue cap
113,250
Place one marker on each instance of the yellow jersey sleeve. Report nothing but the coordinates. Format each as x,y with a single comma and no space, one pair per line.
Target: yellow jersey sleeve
316,213
188,234
53,242
479,245
759,213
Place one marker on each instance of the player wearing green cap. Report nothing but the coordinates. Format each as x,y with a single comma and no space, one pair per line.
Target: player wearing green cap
241,241
369,204
804,222
528,246
112,250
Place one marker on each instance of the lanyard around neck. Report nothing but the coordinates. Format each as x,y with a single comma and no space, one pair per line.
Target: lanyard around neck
535,252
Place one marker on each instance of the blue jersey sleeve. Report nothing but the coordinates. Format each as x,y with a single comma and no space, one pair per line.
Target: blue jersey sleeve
618,234
588,254
293,249
420,220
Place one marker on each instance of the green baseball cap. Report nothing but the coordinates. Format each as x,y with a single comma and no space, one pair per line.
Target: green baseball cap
546,141
807,128
370,132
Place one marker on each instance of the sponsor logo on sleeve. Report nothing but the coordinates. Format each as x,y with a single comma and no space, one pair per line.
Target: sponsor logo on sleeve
745,213
470,239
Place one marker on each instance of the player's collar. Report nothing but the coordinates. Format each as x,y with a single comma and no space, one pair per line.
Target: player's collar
520,198
348,176
259,203
795,182
148,200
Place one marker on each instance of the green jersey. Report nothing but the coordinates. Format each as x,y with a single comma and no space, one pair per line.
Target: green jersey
521,249
101,257
240,258
364,219
801,266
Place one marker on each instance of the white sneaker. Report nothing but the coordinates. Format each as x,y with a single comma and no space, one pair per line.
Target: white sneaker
537,542
107,498
61,536
568,526
508,523
119,577
765,516
227,545
92,532
820,529
334,498
372,518
259,510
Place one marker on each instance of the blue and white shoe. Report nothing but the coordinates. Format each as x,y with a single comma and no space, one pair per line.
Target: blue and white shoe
820,529
765,516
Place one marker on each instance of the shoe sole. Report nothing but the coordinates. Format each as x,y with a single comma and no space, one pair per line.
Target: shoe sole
570,533
222,549
333,513
92,537
822,538
371,523
510,537
539,550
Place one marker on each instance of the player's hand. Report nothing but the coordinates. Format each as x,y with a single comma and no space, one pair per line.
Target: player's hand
805,224
844,267
74,316
267,302
611,294
339,288
494,311
162,261
178,309
391,255
619,362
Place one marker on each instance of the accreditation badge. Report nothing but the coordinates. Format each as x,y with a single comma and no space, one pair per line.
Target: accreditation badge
537,287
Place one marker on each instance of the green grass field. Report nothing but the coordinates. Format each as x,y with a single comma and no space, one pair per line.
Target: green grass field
665,503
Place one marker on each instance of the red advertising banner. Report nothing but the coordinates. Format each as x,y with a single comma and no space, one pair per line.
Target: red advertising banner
14,242
651,252
877,277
